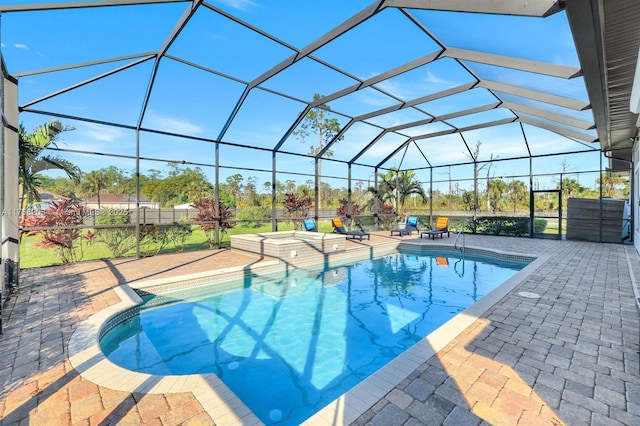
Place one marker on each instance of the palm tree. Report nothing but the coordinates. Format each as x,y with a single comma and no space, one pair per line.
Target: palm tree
407,185
518,193
95,182
400,184
610,184
385,193
33,162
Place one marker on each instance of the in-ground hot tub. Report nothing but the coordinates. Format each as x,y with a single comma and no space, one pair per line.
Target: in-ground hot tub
290,246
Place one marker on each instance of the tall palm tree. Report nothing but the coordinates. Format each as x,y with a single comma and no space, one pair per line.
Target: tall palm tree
33,161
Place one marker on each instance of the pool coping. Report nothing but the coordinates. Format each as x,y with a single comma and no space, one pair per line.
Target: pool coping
223,405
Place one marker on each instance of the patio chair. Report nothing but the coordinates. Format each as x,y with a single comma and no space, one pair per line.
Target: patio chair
410,226
310,225
338,228
442,227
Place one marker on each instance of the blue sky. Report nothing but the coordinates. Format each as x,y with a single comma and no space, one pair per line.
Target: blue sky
188,100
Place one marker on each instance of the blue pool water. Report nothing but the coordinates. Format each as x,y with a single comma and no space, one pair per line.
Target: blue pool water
287,346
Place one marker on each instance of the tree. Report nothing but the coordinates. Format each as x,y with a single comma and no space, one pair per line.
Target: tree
570,187
317,122
179,187
382,195
126,185
234,186
207,219
406,186
495,193
398,185
517,193
64,187
489,165
32,160
92,184
296,207
473,155
610,184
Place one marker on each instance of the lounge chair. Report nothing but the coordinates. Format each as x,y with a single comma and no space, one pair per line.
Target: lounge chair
442,227
410,226
338,228
310,225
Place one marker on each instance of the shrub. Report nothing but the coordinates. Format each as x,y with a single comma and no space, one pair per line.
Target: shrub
296,207
153,238
253,216
539,225
178,234
207,219
65,240
350,214
118,240
387,216
500,225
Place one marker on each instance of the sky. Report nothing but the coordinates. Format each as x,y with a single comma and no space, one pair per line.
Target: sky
198,101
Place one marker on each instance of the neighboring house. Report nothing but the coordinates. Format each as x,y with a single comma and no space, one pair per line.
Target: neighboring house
46,198
119,201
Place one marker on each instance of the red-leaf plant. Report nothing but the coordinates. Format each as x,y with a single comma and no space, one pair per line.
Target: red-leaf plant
387,216
206,218
349,214
62,236
296,207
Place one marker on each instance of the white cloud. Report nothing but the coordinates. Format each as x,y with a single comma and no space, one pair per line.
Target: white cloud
431,78
239,4
100,133
171,124
21,46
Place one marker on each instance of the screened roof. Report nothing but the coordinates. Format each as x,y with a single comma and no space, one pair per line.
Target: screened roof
413,83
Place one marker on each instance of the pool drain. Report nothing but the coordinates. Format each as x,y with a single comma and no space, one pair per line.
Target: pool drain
529,295
275,415
233,365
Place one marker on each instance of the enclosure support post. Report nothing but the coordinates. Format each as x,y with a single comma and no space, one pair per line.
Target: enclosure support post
531,198
397,196
349,194
376,200
560,207
10,195
138,193
274,220
216,204
600,199
317,187
3,292
431,196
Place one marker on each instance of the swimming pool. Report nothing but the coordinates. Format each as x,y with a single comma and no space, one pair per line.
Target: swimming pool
289,345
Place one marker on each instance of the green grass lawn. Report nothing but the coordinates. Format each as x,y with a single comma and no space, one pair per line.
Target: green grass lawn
32,255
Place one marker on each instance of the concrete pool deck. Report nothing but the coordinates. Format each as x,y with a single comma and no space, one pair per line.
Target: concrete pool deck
568,357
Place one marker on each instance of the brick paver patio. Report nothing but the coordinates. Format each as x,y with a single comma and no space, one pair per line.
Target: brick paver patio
569,357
